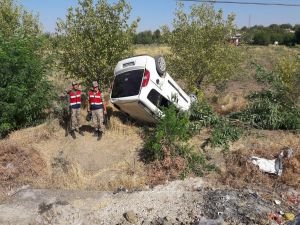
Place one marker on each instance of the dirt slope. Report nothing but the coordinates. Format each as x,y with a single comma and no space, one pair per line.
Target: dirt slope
48,159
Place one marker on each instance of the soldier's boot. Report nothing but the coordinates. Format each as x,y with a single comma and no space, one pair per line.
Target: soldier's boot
81,132
96,133
72,132
99,135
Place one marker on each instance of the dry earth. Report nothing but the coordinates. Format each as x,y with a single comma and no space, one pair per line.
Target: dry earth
47,178
180,202
53,179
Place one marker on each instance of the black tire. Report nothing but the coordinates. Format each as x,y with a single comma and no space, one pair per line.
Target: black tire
161,66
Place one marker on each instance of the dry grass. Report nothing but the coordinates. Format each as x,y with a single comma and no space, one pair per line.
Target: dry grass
240,172
74,177
230,103
19,166
152,50
36,134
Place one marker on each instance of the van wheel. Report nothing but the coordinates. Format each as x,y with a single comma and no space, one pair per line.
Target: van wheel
161,66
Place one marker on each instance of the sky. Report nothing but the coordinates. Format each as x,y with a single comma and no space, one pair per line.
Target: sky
155,13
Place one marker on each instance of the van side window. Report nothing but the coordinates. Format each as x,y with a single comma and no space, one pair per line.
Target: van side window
157,99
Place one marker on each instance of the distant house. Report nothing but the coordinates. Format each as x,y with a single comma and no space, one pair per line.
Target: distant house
236,39
289,31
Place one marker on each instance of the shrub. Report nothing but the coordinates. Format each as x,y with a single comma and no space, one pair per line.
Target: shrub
170,134
261,38
268,110
223,132
168,141
202,115
24,90
278,107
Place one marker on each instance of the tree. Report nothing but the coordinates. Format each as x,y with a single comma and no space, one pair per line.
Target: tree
297,36
15,20
25,92
200,49
97,36
144,37
157,36
261,38
286,26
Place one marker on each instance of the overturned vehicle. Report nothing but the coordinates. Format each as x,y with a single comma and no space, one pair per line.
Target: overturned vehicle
141,87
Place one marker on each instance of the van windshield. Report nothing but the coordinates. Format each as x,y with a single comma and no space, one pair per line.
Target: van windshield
127,84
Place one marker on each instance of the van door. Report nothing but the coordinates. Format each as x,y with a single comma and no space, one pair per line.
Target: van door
127,84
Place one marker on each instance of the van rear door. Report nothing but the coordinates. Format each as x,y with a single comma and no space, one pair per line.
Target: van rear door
127,84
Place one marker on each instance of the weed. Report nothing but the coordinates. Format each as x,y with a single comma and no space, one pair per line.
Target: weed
167,146
223,131
276,108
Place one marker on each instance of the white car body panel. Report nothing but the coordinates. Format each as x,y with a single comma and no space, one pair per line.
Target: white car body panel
141,105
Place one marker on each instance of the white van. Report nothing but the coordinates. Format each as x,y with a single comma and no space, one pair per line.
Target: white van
142,86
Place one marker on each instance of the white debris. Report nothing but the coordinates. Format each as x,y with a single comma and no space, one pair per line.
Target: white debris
273,166
266,165
277,202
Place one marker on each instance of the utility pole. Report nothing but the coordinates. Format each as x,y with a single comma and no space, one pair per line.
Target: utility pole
249,21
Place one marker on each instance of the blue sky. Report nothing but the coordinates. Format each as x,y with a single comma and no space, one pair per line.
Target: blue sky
155,13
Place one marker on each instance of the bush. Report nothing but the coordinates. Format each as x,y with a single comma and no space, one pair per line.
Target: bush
202,115
170,134
223,132
278,107
24,90
168,141
268,110
261,38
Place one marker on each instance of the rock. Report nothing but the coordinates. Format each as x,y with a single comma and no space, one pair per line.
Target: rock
131,217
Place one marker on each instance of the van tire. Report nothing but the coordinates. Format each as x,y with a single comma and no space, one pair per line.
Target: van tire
160,63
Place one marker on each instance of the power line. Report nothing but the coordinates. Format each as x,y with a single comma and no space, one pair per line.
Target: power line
242,3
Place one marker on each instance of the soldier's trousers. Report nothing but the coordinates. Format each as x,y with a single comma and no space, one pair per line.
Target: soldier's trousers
76,124
98,119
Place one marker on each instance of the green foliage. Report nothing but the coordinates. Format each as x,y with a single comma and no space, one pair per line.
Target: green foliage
148,37
202,115
261,38
15,20
261,35
171,131
200,51
267,110
25,93
169,139
278,107
297,36
96,37
223,132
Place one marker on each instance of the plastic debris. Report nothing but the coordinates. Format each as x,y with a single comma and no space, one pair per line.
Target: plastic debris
275,217
277,202
273,166
289,216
